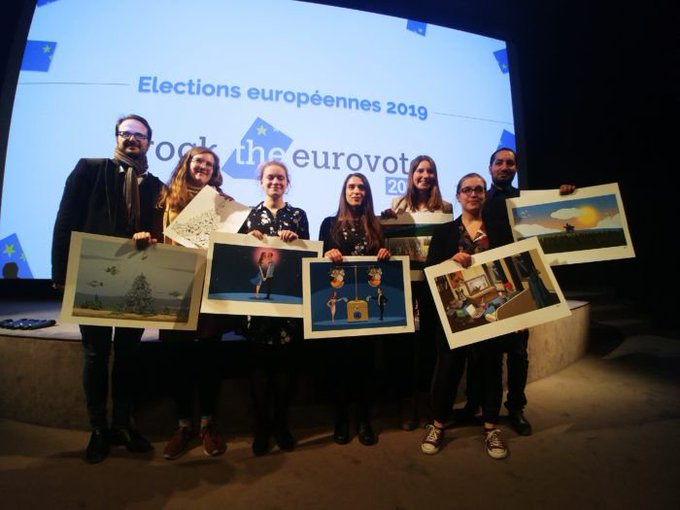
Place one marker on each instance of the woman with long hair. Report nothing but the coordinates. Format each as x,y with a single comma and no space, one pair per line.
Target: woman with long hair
415,352
422,190
193,355
353,231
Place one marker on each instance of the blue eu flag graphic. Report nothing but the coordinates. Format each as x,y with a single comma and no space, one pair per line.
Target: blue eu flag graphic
502,59
261,143
13,259
38,55
416,26
45,2
507,140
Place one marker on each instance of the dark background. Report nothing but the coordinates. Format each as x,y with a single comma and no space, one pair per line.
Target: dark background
596,91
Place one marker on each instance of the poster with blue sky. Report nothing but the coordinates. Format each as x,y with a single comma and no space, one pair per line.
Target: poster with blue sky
586,226
109,282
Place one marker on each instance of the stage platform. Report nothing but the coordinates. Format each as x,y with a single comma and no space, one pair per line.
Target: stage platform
40,372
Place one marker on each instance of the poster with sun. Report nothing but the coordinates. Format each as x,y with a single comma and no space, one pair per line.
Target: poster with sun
587,226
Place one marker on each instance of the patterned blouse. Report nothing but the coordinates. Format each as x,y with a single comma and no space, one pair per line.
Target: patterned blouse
287,218
274,330
479,244
353,238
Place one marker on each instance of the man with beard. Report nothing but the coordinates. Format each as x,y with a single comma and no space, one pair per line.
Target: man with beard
503,167
113,197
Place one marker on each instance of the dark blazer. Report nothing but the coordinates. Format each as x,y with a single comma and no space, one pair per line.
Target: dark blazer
495,215
93,202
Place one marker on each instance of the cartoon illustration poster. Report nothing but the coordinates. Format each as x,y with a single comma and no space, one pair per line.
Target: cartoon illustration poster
246,276
505,289
360,296
586,226
207,212
410,233
109,282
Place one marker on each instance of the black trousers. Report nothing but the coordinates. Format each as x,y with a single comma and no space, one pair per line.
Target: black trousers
273,376
517,363
97,342
350,367
484,359
514,345
194,366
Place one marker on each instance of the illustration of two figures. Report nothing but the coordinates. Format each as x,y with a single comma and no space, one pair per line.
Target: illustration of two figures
380,299
265,274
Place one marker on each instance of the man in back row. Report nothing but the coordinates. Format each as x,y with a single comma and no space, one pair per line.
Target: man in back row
113,197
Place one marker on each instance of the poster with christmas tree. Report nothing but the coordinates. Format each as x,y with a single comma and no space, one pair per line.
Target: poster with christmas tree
109,282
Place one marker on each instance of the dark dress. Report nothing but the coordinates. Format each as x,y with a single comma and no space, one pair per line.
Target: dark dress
350,362
273,341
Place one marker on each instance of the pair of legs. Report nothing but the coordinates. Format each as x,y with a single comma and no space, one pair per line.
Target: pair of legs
486,356
517,364
351,369
272,379
416,357
194,366
97,341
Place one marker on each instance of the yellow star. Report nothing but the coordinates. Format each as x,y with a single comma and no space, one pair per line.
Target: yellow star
9,250
23,256
262,131
47,48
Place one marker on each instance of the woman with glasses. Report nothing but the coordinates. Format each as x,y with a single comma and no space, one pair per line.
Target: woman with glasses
273,341
460,240
194,355
353,231
415,353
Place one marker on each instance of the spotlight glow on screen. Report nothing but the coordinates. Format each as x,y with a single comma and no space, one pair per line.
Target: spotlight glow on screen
327,90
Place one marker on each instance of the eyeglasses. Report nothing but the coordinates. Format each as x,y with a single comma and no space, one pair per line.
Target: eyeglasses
128,135
467,190
202,162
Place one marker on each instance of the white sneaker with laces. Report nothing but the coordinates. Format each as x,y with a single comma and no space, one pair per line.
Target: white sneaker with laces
433,440
495,446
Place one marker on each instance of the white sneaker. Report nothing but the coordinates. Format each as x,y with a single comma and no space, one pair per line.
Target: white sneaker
495,446
433,440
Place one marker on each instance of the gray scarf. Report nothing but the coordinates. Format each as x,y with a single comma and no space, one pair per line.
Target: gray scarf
134,168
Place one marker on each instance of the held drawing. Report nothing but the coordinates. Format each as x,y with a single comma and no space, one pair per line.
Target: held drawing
361,296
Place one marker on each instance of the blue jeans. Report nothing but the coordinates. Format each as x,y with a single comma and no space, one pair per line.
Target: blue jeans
96,350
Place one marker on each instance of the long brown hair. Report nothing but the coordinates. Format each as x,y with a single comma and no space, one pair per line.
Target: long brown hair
435,201
369,222
177,194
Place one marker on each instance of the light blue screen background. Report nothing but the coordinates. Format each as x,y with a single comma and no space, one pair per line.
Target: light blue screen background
105,49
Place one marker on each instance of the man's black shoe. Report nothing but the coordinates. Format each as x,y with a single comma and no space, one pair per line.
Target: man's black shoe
130,439
520,423
341,433
98,447
366,434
